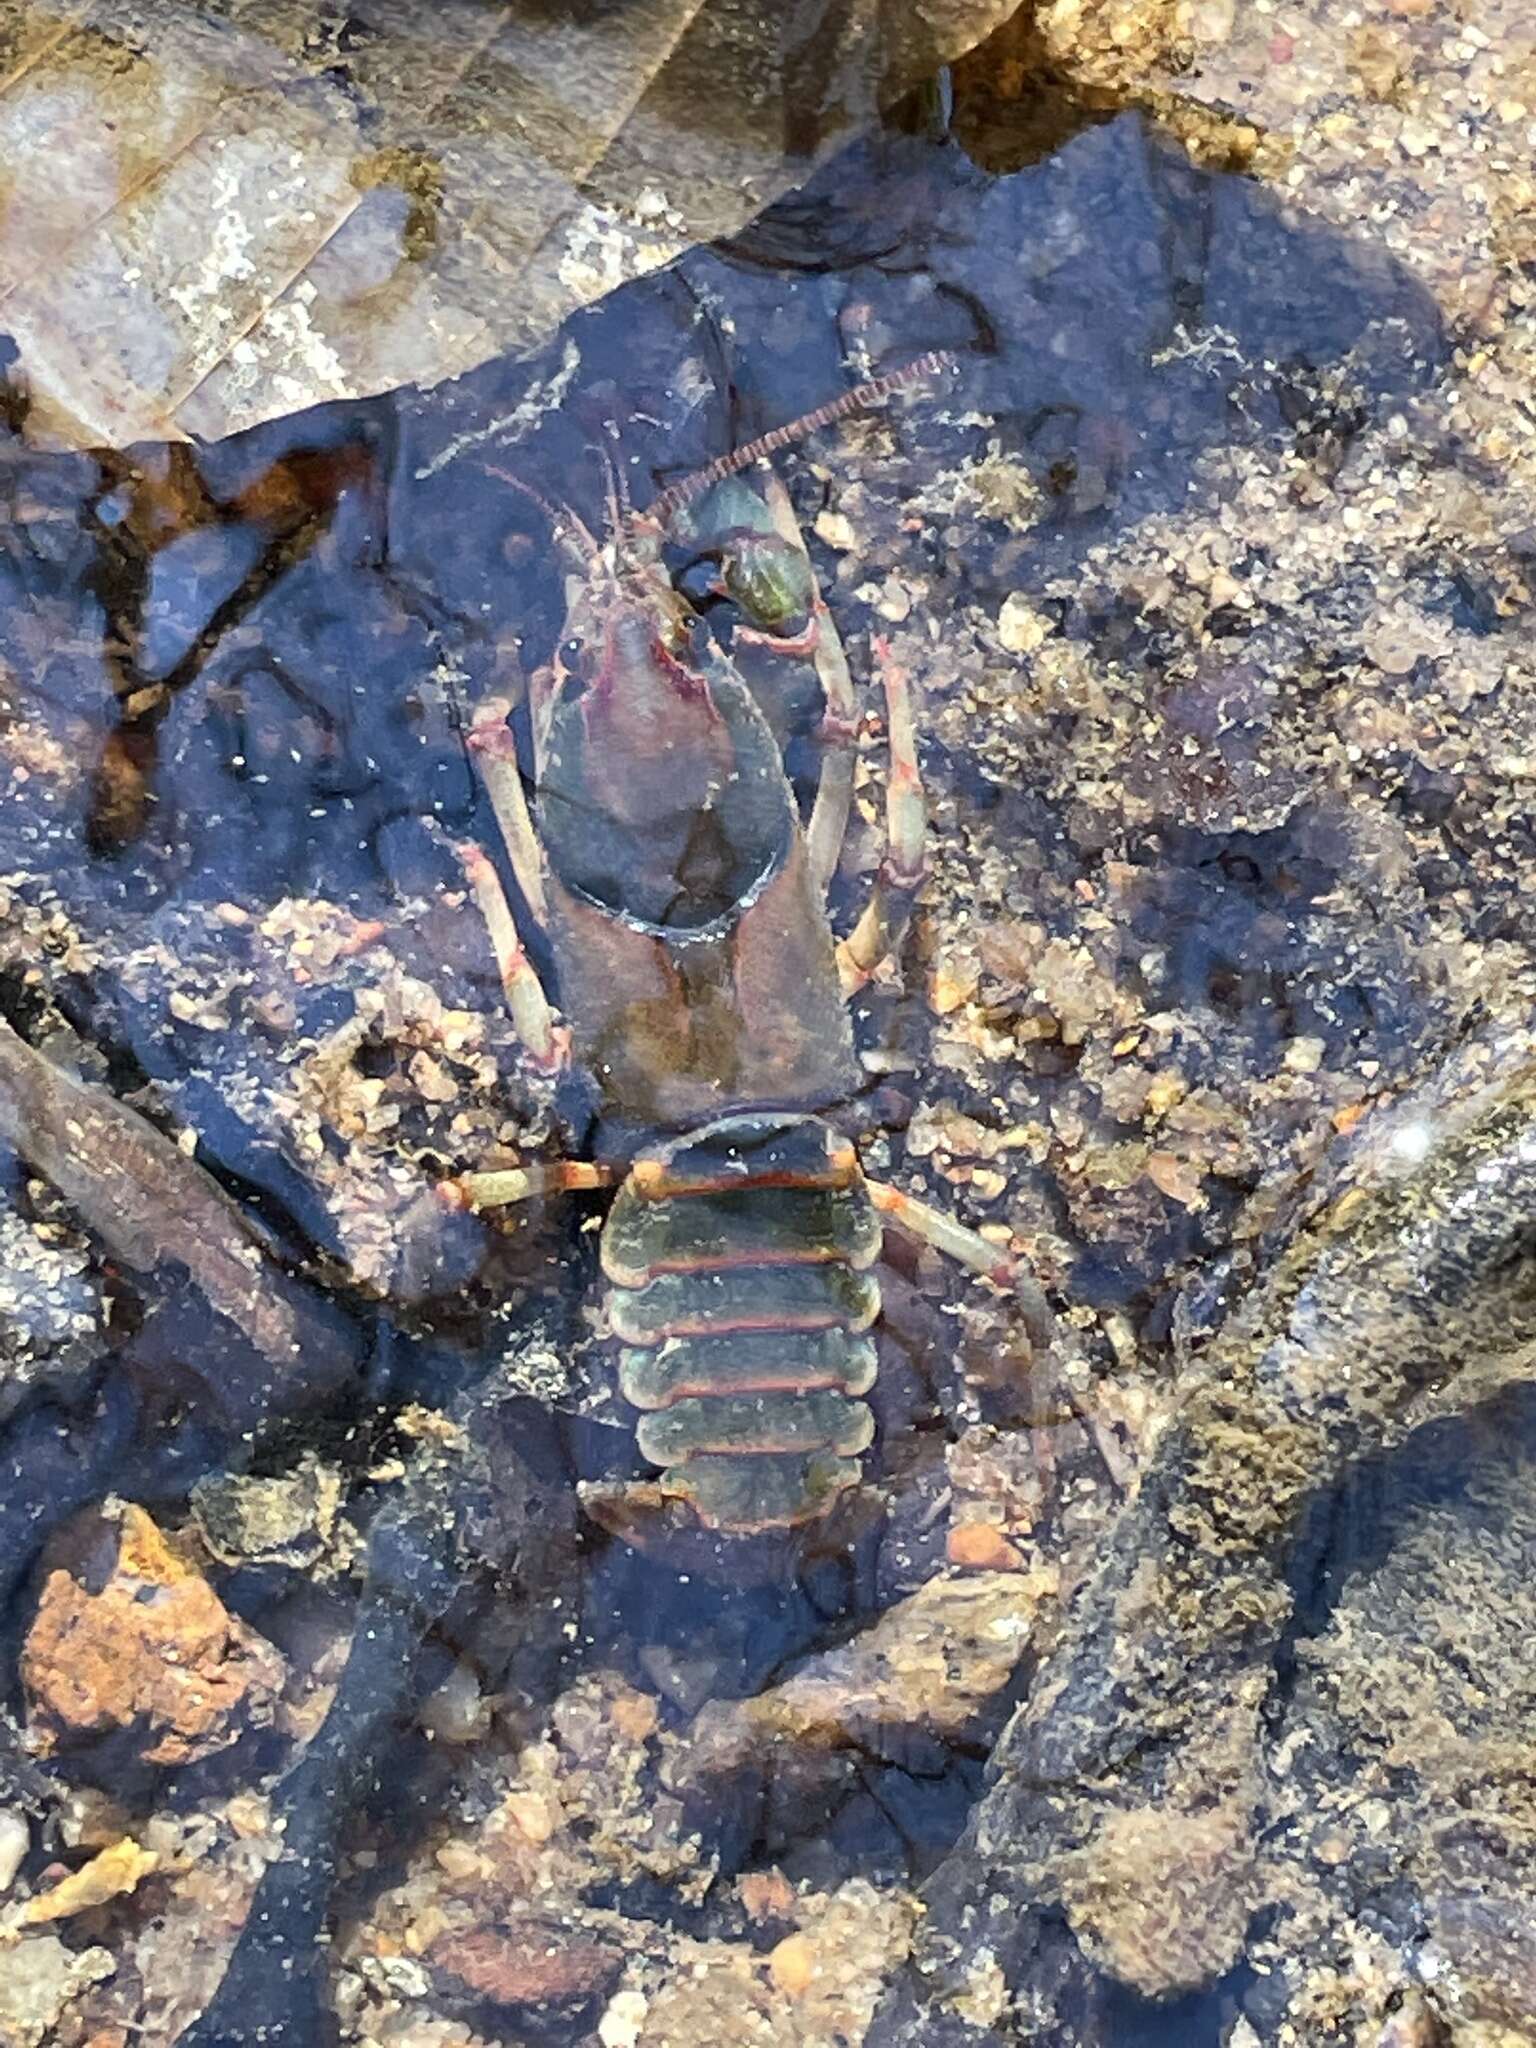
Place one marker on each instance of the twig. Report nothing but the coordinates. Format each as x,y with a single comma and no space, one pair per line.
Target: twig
152,1206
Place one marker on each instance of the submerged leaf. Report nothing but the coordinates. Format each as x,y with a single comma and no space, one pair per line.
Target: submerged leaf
213,215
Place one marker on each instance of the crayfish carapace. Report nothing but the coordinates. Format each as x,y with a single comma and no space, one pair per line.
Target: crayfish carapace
683,899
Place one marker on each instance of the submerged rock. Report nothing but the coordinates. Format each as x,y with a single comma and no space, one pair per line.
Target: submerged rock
930,1667
289,1519
39,1977
136,1640
522,1964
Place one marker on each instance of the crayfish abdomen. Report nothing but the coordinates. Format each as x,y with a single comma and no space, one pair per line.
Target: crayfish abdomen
737,1258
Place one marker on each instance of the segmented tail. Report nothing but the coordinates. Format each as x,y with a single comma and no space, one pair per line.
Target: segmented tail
737,1257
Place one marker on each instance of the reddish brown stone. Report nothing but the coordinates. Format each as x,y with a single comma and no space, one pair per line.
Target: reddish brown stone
140,1640
523,1963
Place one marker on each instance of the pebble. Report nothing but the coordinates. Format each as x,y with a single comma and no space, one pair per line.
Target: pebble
1305,1055
836,530
141,1641
1020,627
15,1840
622,2019
457,1711
792,1964
521,1962
982,1546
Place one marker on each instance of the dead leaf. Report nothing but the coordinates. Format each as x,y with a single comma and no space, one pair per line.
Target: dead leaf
213,215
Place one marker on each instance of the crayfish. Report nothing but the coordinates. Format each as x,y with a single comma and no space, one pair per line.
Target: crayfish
683,900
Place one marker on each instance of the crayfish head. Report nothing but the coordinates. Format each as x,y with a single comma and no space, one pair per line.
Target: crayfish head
655,744
642,797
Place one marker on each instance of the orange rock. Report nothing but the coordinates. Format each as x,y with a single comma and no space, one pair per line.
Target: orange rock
635,1715
767,1894
982,1546
534,1816
141,1641
953,981
792,1964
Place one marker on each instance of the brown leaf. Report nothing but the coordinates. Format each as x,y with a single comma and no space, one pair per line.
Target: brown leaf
119,1868
212,215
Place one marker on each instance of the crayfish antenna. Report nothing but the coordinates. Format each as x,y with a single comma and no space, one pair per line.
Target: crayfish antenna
874,391
564,523
620,511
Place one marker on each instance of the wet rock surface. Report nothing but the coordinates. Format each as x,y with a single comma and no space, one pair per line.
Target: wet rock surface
41,1978
1363,1844
1400,1777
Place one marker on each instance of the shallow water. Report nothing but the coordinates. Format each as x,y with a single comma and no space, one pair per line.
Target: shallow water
1196,570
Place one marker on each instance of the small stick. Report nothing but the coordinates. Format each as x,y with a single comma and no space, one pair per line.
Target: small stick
152,1206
